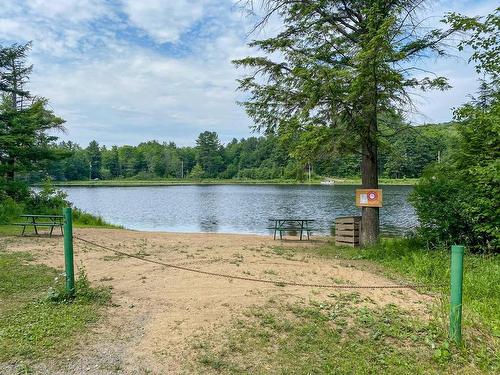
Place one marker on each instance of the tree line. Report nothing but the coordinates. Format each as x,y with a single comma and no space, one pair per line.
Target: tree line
259,158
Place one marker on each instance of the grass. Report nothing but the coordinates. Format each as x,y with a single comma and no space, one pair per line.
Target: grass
349,334
37,319
409,259
84,219
167,182
343,335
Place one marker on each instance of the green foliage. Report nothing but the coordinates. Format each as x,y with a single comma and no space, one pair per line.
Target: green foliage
34,325
48,200
209,153
24,143
458,201
482,36
95,159
403,155
81,218
336,74
16,198
197,172
25,121
9,209
411,150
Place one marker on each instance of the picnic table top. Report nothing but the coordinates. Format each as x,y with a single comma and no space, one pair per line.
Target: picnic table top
43,216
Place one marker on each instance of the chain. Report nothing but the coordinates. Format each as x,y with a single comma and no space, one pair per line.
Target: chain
251,279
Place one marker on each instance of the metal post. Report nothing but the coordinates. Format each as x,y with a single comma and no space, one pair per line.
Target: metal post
456,280
68,251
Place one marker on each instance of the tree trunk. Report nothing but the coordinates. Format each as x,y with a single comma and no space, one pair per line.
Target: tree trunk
369,180
10,174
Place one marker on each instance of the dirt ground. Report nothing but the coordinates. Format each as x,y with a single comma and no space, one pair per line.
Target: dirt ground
156,311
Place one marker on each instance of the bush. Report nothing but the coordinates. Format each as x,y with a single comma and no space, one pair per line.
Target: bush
457,200
9,209
438,200
48,201
83,218
17,190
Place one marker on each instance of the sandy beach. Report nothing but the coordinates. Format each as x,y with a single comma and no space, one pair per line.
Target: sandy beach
157,311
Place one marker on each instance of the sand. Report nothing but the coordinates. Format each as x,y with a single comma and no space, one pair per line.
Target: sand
156,310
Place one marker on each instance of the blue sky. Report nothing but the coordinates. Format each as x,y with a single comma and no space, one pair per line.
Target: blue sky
127,71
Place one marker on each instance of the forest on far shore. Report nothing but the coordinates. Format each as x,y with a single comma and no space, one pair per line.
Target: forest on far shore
405,155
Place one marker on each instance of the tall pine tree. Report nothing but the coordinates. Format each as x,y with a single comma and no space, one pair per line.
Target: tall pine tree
24,119
337,70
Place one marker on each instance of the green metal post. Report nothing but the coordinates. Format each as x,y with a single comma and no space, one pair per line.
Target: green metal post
68,251
456,278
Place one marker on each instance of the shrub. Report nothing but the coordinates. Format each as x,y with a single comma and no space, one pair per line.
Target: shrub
457,201
9,209
83,218
48,201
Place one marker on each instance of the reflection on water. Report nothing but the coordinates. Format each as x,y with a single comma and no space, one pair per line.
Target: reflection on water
234,208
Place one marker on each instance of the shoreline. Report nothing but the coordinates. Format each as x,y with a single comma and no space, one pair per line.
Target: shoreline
140,183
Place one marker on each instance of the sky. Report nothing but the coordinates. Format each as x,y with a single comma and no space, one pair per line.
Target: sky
128,71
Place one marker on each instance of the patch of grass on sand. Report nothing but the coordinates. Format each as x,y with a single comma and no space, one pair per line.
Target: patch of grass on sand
9,230
408,258
351,335
37,318
345,334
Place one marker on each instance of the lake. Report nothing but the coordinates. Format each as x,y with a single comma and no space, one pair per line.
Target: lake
235,208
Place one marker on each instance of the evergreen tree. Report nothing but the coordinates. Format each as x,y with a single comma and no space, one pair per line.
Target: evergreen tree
24,119
337,68
95,159
209,153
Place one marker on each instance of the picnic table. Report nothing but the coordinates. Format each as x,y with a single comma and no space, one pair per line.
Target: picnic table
43,221
292,225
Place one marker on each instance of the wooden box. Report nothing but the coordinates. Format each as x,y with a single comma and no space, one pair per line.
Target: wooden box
347,231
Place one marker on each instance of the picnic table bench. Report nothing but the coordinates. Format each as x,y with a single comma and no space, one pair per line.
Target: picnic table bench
41,221
291,225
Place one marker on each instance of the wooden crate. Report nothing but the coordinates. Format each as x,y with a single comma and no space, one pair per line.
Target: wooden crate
347,231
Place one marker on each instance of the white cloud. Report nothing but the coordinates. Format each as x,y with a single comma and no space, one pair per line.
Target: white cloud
74,11
164,21
144,95
110,85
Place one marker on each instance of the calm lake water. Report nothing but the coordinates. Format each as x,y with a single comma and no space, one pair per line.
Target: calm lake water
234,208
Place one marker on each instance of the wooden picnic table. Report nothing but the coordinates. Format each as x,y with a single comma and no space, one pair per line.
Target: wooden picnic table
43,221
289,225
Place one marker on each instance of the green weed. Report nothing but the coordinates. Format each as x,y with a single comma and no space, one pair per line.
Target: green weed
34,322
